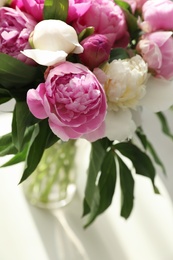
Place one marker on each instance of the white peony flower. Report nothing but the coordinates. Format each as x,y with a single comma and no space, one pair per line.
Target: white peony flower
53,40
129,89
120,125
125,83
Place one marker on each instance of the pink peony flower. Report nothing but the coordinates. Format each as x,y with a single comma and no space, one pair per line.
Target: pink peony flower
15,29
135,4
77,9
73,100
107,18
157,50
34,8
18,3
157,15
96,50
139,3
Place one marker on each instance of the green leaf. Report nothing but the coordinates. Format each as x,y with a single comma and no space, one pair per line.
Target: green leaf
107,181
6,145
55,9
85,33
14,73
118,53
104,190
86,208
96,157
124,5
100,186
156,157
36,149
4,95
22,118
51,139
105,143
4,100
164,123
131,23
127,189
5,140
17,158
141,161
131,20
148,146
142,137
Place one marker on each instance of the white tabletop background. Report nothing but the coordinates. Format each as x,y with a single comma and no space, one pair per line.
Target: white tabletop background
29,233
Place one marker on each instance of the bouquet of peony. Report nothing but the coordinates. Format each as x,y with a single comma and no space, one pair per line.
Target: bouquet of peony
87,69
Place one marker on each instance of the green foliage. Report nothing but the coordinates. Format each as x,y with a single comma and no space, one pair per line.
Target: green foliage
91,191
131,20
85,33
17,158
55,9
14,73
106,161
127,189
22,118
16,78
149,147
164,123
100,183
4,95
118,53
40,140
124,5
140,160
6,145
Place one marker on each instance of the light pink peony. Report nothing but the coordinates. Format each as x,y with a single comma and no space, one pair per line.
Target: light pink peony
96,50
34,8
107,18
157,15
157,50
73,100
15,29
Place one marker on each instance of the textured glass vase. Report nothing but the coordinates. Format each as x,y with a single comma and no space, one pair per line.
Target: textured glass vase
53,183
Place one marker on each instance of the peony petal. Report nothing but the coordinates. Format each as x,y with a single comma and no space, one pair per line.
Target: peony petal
45,58
159,95
34,102
95,135
63,132
119,125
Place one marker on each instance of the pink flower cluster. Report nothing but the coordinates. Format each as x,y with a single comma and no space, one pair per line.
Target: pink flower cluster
106,18
156,44
15,28
71,97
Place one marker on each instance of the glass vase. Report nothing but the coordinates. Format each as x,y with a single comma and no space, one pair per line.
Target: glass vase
53,183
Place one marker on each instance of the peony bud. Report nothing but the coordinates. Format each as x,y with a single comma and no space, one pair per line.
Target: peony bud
53,40
96,50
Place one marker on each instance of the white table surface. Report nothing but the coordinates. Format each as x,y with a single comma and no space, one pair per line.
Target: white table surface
29,233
